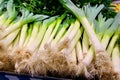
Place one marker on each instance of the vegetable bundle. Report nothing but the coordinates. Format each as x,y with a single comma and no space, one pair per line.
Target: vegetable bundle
82,43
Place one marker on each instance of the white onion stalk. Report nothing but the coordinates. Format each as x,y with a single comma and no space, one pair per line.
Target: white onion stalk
16,42
47,35
85,43
60,34
113,41
116,61
110,31
9,39
29,32
59,21
33,35
79,52
3,18
23,35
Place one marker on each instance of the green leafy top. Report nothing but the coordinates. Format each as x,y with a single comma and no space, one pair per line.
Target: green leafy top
53,7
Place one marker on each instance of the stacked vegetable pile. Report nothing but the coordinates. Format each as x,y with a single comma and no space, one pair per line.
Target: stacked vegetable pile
63,45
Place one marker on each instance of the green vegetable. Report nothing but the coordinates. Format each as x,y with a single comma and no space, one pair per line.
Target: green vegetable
102,61
12,13
79,53
9,39
47,34
23,34
113,41
110,31
59,21
53,7
73,43
24,20
101,25
79,13
116,60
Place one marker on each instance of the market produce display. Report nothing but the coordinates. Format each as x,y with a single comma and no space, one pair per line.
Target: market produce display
81,41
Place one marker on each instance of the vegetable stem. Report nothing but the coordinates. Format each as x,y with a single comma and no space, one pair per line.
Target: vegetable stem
82,18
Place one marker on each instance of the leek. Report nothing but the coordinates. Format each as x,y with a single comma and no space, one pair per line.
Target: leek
26,18
33,36
85,43
113,41
80,55
23,35
59,21
116,61
3,18
9,39
101,25
79,13
27,38
110,31
42,31
47,34
12,13
61,32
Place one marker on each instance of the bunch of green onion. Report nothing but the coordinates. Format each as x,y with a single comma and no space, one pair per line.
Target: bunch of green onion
61,45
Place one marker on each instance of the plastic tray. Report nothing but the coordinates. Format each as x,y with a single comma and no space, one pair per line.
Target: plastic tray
14,76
